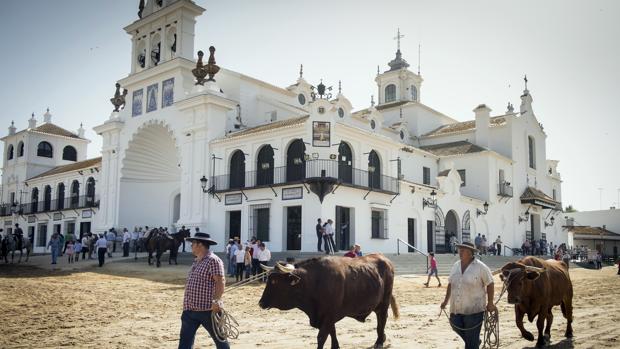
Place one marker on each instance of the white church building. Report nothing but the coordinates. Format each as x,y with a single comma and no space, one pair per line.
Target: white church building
237,156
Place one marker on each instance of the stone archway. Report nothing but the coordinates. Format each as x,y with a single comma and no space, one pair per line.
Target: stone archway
150,176
452,227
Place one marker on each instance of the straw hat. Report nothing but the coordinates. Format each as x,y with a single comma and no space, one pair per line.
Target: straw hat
468,245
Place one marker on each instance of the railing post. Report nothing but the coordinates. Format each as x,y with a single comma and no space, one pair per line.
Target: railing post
398,247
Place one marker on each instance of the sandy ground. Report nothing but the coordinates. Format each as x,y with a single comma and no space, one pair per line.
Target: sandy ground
130,305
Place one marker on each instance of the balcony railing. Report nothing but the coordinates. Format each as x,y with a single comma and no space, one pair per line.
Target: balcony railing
70,203
504,190
284,175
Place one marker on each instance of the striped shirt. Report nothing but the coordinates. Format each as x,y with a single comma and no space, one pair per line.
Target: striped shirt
200,286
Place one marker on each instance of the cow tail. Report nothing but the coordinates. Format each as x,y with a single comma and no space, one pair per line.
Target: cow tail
394,305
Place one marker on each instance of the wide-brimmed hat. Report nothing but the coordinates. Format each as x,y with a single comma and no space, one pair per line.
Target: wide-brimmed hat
468,245
202,237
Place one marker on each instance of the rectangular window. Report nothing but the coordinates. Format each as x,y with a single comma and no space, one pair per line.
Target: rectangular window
259,222
12,199
532,151
378,222
42,236
554,195
463,178
426,175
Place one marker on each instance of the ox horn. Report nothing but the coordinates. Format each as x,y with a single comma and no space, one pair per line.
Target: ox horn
532,268
285,269
266,268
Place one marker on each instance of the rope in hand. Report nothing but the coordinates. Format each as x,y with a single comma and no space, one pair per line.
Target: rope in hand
224,325
490,321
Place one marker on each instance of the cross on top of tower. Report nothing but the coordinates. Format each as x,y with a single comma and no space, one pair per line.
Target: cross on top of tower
525,79
397,38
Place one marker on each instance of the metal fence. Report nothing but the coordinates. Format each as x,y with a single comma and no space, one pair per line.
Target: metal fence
74,202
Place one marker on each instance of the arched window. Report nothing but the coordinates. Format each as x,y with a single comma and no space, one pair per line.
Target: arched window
390,93
414,93
69,153
34,200
237,170
90,192
20,149
264,166
75,194
47,198
345,163
532,151
295,161
374,170
9,152
60,196
45,150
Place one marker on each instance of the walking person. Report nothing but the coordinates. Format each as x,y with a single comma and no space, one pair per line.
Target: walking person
470,293
599,261
498,245
77,249
319,234
432,270
110,238
203,292
240,261
102,247
133,245
255,252
54,244
69,251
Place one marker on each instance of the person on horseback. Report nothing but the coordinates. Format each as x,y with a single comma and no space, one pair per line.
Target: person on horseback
18,233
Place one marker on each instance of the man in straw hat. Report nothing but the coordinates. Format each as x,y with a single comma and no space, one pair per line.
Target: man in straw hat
203,292
470,292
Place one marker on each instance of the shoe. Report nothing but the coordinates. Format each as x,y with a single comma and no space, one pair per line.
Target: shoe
439,285
426,284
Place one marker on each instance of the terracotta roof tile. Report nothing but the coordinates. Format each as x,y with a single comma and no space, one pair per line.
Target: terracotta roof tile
71,167
531,193
588,230
453,148
464,126
270,126
52,129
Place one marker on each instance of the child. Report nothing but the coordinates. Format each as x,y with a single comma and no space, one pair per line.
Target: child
432,269
69,250
77,249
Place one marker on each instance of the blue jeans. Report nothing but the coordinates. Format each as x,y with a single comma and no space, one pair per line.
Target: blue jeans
55,253
472,336
190,321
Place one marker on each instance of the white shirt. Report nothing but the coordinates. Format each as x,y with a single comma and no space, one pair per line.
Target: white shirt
329,229
240,256
126,236
255,251
468,290
101,243
85,242
264,256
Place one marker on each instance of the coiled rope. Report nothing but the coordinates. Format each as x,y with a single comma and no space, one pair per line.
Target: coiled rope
224,325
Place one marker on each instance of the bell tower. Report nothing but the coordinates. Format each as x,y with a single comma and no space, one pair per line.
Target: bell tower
398,84
163,31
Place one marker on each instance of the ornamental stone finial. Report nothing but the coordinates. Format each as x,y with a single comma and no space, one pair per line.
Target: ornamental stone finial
212,68
200,72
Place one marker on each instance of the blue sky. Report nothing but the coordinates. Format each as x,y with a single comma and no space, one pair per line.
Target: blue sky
67,55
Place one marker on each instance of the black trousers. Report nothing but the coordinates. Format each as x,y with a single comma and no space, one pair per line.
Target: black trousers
84,252
319,238
239,273
255,266
126,249
499,250
101,254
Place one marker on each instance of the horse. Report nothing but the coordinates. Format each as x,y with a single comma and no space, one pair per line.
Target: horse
160,242
10,243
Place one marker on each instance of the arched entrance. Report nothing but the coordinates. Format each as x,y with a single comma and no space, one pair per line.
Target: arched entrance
374,170
150,177
451,228
345,163
296,161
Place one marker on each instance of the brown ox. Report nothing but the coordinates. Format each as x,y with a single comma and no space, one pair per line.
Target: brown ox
535,286
329,288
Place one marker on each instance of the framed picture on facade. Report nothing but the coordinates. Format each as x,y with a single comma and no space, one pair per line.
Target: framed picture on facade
292,193
32,219
57,216
136,103
232,199
87,213
167,93
151,98
321,134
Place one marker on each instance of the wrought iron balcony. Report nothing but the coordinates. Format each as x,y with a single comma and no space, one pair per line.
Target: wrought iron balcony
504,190
41,206
302,172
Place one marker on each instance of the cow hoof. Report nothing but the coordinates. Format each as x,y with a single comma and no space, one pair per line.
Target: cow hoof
528,335
540,343
378,346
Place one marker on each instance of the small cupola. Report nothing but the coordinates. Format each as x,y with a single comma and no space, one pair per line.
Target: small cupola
32,122
12,129
47,117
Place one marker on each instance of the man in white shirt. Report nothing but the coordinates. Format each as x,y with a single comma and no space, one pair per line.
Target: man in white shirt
126,238
264,256
255,251
470,292
135,235
101,246
329,237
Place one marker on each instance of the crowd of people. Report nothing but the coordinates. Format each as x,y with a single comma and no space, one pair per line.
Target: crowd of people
246,259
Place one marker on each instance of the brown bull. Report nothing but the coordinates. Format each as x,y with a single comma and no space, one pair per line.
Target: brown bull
328,289
535,286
